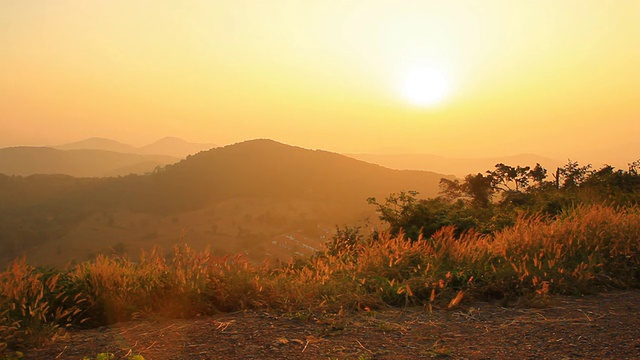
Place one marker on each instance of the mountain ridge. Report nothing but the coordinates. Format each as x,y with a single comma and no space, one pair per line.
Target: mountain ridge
98,143
264,166
460,167
27,160
168,146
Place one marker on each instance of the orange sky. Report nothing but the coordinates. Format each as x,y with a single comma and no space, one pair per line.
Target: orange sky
557,78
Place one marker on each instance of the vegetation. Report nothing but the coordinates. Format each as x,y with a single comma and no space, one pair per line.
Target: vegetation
110,356
577,234
490,202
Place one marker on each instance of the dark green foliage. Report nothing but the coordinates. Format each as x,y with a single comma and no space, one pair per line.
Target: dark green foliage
479,188
414,218
476,188
470,205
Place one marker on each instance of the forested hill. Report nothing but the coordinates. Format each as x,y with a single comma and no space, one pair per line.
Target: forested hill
265,168
257,168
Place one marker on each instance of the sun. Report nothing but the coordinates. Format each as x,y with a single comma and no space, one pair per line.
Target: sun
425,86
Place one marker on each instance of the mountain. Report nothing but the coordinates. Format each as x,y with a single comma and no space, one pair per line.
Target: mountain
96,143
172,146
261,198
79,163
459,167
618,156
168,146
270,169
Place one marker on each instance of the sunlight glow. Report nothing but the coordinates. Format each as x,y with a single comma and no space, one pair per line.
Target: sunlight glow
425,86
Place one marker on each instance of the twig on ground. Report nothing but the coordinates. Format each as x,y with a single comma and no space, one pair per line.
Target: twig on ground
362,346
58,357
150,346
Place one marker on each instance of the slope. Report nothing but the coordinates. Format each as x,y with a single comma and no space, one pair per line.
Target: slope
266,168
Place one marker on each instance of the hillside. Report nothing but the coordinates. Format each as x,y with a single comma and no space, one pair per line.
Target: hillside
26,161
266,168
259,197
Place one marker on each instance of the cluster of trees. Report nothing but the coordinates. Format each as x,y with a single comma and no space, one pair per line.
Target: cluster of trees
491,201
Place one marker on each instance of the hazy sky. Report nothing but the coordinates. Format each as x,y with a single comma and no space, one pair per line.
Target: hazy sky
549,77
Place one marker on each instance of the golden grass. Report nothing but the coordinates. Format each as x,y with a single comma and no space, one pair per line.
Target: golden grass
34,306
586,250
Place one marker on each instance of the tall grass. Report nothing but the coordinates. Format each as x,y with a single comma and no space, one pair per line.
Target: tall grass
588,249
34,305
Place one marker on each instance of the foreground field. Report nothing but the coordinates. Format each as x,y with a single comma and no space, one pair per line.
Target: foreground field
590,250
605,326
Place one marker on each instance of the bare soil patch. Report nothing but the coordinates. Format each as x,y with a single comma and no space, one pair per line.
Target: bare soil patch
604,326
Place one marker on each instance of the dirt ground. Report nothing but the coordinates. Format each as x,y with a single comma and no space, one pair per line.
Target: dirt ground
604,326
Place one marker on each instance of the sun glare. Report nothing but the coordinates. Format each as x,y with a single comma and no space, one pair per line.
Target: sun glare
425,87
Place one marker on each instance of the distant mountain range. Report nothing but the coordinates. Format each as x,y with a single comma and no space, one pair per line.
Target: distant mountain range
96,143
169,146
79,163
618,156
176,147
96,157
459,167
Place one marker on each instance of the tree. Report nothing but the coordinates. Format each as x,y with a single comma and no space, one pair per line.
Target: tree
475,188
398,210
508,178
412,217
572,174
634,167
538,174
451,189
479,188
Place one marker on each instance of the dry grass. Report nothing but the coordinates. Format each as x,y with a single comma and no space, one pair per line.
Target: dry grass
586,250
34,305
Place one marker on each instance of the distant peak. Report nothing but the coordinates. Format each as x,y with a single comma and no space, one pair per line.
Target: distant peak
174,146
97,140
98,143
171,139
262,143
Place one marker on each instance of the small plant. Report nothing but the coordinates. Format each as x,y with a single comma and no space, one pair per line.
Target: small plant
13,356
439,351
111,356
